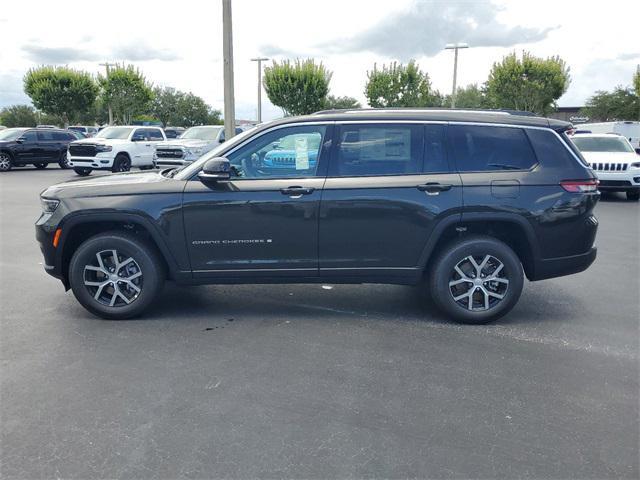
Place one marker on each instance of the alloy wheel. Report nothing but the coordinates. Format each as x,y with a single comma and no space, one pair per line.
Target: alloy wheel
113,280
478,283
5,162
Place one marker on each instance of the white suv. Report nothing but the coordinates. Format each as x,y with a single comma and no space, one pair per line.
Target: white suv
115,148
615,162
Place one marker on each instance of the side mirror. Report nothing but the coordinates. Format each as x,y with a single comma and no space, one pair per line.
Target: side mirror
20,140
215,170
638,151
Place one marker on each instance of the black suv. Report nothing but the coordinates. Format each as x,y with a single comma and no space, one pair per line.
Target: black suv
468,201
34,146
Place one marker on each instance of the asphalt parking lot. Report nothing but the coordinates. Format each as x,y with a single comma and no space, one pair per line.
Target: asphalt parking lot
307,381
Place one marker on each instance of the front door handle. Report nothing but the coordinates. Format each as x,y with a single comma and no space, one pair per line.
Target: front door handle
297,191
434,188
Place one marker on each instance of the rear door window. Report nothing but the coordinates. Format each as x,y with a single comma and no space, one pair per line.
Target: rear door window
154,135
487,148
45,136
378,149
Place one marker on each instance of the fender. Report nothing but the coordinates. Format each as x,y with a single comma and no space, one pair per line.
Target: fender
82,218
447,222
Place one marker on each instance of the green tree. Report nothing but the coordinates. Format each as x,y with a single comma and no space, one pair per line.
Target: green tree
621,104
470,96
299,87
19,116
173,107
337,103
531,83
165,105
214,117
127,91
636,81
61,91
400,85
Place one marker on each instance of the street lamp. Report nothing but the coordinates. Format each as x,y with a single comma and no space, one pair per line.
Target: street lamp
455,47
259,60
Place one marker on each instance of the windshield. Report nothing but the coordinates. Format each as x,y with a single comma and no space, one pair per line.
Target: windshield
602,144
190,170
121,133
11,133
202,133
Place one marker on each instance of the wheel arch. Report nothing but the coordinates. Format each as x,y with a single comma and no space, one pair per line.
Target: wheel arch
511,229
79,228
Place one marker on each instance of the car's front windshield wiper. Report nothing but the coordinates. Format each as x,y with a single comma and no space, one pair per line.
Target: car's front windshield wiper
504,166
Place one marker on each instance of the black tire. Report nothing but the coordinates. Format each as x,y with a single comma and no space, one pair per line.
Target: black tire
136,258
483,292
122,163
633,196
64,160
6,162
40,165
83,172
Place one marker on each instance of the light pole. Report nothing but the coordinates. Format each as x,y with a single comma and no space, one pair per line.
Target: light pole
455,47
259,60
227,54
108,65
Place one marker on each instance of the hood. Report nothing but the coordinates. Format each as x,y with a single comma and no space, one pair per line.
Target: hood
611,157
129,183
99,141
187,143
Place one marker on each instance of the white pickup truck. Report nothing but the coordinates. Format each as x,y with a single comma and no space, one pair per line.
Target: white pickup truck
117,149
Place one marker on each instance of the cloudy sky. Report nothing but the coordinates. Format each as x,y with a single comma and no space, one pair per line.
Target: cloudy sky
179,44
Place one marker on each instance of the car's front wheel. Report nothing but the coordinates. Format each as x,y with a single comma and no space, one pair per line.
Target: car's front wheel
115,275
64,160
5,162
83,172
122,163
476,279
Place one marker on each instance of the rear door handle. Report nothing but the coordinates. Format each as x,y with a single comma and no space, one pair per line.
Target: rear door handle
297,191
434,188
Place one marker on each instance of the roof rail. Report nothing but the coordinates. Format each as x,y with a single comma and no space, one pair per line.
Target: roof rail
427,109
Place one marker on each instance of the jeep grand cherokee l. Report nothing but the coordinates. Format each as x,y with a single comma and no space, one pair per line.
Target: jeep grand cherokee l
470,202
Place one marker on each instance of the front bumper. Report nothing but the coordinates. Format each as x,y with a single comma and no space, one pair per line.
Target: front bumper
101,160
627,181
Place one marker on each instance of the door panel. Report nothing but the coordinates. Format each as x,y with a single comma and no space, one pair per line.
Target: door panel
381,222
263,222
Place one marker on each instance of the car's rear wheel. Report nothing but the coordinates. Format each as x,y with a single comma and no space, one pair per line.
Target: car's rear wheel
476,280
40,165
64,160
5,162
83,172
122,163
115,275
633,196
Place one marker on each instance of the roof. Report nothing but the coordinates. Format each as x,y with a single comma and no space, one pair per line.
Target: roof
506,117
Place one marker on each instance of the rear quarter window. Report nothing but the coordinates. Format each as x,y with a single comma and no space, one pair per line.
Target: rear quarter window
488,148
551,151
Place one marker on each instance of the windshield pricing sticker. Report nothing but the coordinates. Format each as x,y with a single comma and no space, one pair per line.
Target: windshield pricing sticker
302,153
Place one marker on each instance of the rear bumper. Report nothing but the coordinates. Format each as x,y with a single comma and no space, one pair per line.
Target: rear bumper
561,266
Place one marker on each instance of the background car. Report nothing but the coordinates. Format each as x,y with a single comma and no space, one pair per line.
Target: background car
193,143
34,146
86,131
614,161
174,132
116,148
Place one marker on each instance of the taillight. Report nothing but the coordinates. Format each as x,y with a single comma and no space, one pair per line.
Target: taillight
580,186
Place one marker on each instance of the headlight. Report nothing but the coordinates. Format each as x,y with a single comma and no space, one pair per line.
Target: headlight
104,148
635,165
49,205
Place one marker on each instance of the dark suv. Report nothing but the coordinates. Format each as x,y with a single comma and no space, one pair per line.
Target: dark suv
34,146
468,201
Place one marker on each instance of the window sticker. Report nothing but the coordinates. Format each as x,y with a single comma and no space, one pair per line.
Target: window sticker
302,153
386,144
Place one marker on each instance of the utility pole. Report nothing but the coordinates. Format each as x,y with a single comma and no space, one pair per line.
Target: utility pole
455,47
108,65
227,54
259,60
